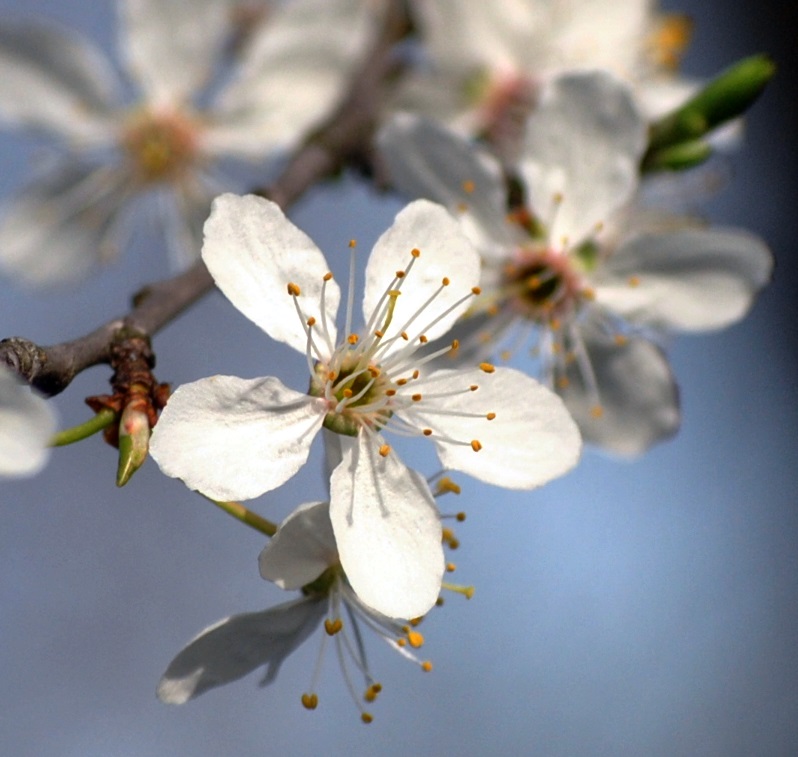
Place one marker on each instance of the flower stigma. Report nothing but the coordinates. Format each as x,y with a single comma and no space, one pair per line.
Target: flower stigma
161,146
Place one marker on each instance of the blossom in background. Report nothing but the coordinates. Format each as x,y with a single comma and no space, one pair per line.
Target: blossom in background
302,555
581,272
27,424
485,62
288,76
232,438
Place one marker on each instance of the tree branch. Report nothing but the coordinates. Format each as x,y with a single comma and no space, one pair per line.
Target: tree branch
345,137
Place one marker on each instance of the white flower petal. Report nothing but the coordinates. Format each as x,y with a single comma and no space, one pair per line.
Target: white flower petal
253,252
291,76
693,280
445,253
638,396
54,79
531,440
233,438
302,549
27,424
472,35
62,225
583,147
426,160
387,530
170,46
235,646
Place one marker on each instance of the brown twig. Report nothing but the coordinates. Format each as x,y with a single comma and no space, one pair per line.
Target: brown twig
345,137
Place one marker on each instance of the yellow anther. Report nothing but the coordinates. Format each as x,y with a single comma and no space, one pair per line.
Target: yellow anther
416,373
331,376
416,639
447,535
487,367
621,339
450,567
401,643
332,627
445,484
490,416
468,186
439,602
462,207
589,294
311,321
327,276
372,691
385,450
445,281
426,666
423,339
460,517
404,335
563,382
390,392
347,393
475,445
310,701
379,334
374,372
669,41
400,274
293,289
476,290
353,242
634,281
366,717
416,398
415,252
473,387
353,339
416,621
401,381
597,411
455,344
427,432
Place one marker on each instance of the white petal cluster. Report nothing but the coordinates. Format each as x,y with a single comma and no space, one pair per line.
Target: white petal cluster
78,211
488,61
231,438
580,270
302,555
27,424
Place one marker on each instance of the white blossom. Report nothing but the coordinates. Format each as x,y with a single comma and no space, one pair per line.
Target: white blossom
27,424
579,273
486,62
302,555
232,438
166,145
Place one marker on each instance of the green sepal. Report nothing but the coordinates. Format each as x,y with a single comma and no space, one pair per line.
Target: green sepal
134,443
726,97
677,157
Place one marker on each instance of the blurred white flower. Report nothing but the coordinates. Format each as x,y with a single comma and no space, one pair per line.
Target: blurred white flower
302,555
232,438
290,73
580,271
486,61
27,424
